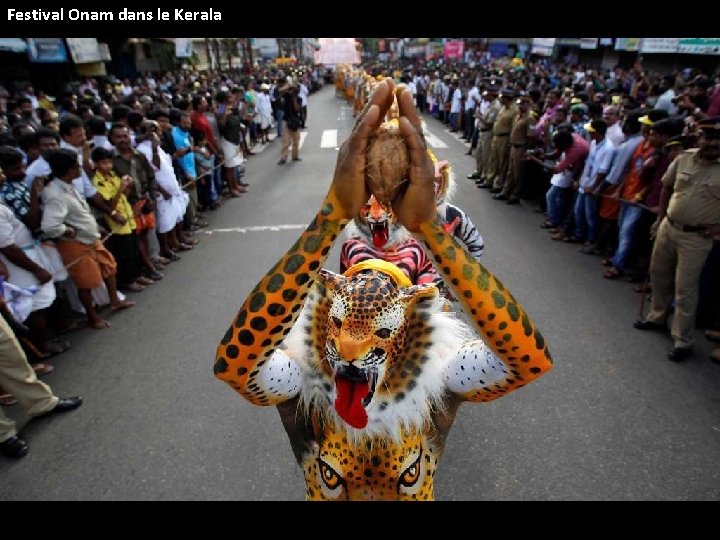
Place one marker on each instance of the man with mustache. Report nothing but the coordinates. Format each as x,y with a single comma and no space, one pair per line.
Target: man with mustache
687,225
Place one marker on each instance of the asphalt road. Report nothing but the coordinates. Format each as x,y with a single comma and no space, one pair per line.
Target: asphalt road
614,420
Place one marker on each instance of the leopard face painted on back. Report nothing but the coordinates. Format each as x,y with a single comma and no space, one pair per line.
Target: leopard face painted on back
372,470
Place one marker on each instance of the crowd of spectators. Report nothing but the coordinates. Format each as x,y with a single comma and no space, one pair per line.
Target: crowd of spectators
104,186
597,152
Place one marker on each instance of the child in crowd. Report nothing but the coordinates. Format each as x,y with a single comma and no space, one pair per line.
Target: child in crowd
120,222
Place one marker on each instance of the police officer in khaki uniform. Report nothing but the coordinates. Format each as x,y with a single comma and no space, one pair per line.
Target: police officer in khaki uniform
486,122
35,397
500,148
687,224
523,131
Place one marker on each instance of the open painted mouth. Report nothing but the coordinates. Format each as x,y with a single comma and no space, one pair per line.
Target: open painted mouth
355,389
380,232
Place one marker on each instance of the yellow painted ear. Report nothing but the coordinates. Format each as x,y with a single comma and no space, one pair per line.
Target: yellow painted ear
416,294
330,280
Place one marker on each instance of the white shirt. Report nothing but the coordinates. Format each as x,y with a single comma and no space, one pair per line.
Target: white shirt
63,207
302,94
40,167
263,105
33,100
82,183
615,134
472,98
665,102
101,141
564,178
455,105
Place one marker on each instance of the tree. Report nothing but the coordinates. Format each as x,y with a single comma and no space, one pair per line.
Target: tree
248,45
230,45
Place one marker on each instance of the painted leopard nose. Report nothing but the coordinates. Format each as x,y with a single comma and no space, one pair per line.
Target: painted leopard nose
351,348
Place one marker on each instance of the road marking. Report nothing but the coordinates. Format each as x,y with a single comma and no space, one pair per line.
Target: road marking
303,135
329,138
257,228
433,140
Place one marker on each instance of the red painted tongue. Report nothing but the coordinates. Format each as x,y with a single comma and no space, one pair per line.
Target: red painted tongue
348,402
380,237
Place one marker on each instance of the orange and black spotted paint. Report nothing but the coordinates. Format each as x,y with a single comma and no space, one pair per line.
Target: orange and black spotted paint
495,313
367,370
270,311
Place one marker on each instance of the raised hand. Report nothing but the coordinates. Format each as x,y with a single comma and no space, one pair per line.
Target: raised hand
348,186
417,203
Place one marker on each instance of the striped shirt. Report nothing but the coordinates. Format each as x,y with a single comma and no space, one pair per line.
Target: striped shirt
459,225
409,256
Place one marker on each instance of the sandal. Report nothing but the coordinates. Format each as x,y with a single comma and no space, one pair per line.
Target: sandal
125,304
42,369
7,399
99,325
172,257
134,287
548,225
572,239
606,262
612,273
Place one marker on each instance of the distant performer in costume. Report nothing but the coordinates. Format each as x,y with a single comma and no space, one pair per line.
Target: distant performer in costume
369,380
454,219
376,234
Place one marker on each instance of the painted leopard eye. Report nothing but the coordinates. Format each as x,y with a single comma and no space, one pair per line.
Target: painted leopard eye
411,475
329,477
337,322
383,333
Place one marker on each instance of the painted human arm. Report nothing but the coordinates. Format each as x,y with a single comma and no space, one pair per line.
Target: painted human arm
247,357
512,352
513,344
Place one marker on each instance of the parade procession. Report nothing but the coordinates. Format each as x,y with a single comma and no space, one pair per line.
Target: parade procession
357,236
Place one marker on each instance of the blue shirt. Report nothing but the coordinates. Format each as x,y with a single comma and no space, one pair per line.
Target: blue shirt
182,140
599,161
623,154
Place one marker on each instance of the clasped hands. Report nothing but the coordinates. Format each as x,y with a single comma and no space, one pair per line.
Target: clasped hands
416,204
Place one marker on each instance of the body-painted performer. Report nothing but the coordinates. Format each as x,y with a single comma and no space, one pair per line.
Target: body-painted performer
452,218
376,234
370,378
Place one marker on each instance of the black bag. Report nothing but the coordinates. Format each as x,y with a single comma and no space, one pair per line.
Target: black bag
293,123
